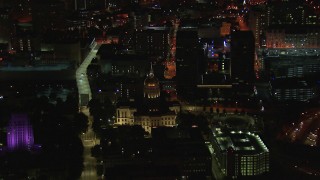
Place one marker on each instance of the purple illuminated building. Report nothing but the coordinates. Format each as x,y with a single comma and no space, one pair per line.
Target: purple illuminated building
19,132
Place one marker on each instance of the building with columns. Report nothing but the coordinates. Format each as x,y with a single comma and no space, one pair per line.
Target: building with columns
152,112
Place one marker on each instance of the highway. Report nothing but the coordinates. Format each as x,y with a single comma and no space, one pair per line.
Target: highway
88,139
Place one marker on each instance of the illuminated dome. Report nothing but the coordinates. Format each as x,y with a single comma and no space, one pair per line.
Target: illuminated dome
151,86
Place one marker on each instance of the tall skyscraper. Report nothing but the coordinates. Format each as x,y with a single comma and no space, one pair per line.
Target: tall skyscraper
293,12
257,24
19,132
242,56
152,42
188,58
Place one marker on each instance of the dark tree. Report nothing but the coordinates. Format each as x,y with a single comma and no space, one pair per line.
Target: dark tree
94,107
80,123
103,114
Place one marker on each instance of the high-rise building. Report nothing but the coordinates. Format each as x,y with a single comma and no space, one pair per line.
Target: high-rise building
292,63
292,90
19,132
54,11
242,56
293,12
188,59
4,25
152,42
225,29
257,24
22,36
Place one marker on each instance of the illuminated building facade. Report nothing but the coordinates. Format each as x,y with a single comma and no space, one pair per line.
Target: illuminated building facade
151,86
153,121
292,63
151,113
217,56
293,37
240,153
170,63
19,133
154,115
257,24
188,61
292,90
22,36
225,29
125,114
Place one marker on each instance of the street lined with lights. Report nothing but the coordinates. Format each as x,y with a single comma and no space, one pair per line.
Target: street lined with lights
88,139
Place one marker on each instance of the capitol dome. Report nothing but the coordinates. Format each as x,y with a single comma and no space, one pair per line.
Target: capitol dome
151,86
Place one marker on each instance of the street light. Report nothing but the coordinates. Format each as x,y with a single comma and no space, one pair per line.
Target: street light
236,105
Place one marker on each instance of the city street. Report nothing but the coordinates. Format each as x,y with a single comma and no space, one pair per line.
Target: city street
216,170
81,73
88,139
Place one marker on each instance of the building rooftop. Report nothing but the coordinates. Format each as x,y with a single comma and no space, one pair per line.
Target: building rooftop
241,142
290,83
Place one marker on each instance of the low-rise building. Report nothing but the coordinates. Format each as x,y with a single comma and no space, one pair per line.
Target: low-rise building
292,90
293,37
240,153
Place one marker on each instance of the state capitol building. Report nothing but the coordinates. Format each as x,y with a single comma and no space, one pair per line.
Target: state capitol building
152,112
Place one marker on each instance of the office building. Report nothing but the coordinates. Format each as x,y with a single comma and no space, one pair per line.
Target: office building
188,59
240,153
242,56
292,90
292,13
292,63
152,42
257,24
19,133
293,37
